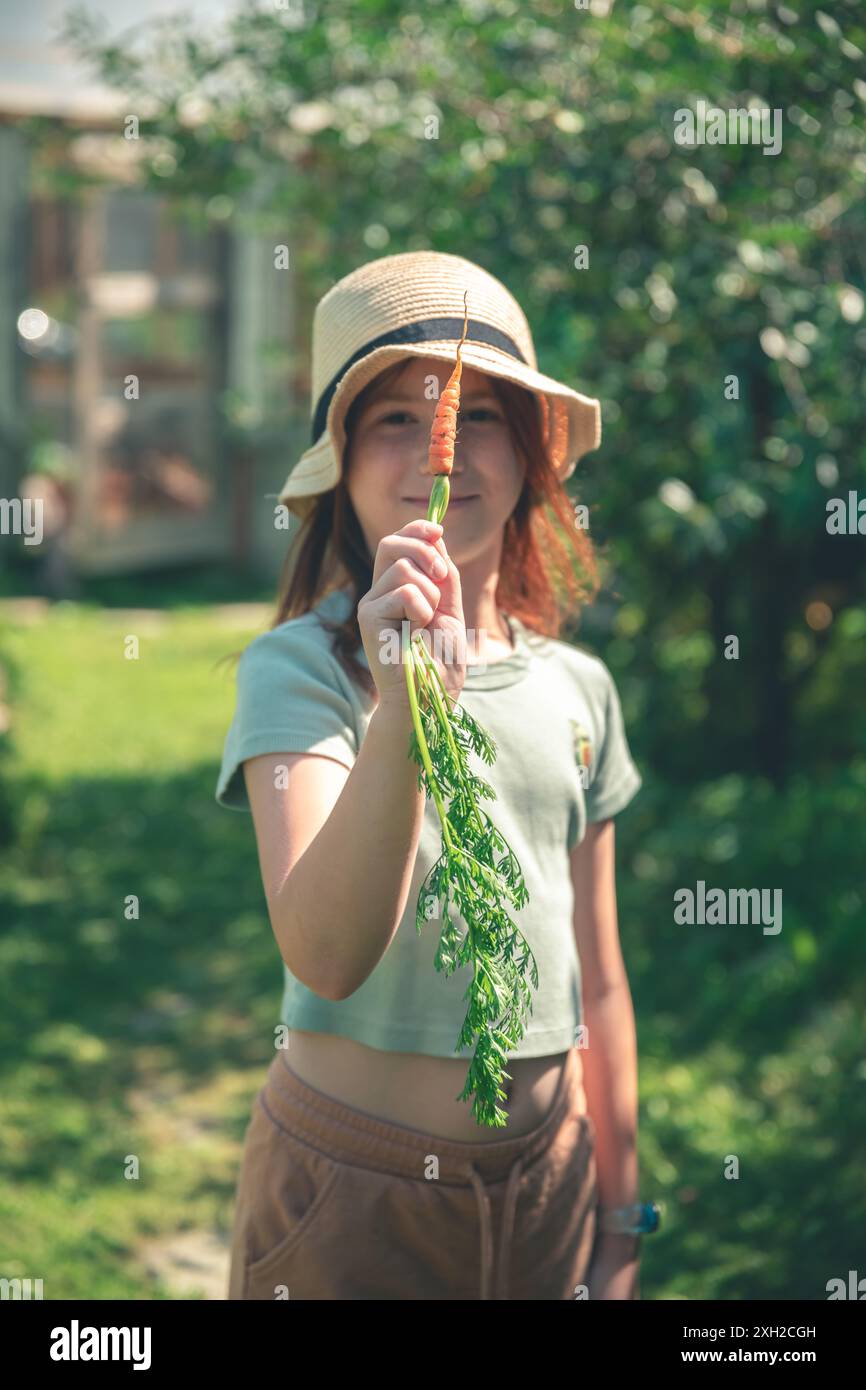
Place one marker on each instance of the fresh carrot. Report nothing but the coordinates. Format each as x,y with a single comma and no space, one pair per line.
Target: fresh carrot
477,873
443,433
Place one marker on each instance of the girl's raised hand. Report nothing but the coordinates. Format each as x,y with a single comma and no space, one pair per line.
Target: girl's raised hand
414,579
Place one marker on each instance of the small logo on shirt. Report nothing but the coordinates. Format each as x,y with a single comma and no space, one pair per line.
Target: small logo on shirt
582,745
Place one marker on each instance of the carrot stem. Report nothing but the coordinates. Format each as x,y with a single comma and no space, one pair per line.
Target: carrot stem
409,663
436,685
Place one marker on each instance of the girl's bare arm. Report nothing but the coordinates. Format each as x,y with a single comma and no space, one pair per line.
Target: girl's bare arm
610,1059
337,850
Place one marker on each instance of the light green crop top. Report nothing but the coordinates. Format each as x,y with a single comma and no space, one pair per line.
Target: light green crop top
562,761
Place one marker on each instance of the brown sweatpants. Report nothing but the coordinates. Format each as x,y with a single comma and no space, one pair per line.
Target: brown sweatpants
333,1203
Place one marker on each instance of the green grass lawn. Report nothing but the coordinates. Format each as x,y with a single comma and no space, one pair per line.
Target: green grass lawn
143,1038
146,1040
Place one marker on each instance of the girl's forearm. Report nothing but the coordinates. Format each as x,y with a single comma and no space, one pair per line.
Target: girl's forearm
610,1083
338,910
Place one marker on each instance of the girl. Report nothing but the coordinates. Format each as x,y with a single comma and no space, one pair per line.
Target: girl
363,1174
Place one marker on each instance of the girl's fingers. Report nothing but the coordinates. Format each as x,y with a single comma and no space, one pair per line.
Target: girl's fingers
406,601
405,571
414,577
450,592
419,529
422,551
419,526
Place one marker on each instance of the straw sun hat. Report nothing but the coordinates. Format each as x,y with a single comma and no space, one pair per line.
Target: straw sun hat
411,304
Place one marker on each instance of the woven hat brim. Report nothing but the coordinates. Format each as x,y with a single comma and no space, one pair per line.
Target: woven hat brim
318,468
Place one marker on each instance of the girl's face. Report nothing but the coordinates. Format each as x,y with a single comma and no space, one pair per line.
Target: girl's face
386,477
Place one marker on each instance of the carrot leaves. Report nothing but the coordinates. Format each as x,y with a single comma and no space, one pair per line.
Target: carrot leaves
477,878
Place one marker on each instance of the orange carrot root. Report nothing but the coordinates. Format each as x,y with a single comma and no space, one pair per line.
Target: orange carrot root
443,433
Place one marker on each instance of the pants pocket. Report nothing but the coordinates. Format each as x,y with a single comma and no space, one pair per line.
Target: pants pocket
284,1187
557,1217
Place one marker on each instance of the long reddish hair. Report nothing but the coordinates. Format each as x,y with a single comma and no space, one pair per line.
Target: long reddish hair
548,570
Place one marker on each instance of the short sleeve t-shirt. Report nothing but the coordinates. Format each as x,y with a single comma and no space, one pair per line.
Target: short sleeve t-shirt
562,761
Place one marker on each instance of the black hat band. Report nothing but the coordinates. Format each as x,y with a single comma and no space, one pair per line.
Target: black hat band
424,330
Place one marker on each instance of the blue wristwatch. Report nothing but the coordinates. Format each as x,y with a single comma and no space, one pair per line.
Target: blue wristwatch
638,1220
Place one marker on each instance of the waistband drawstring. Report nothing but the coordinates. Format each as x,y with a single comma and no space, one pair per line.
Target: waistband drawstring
499,1288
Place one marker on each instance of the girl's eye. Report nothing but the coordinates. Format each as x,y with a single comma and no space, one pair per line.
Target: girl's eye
398,416
395,415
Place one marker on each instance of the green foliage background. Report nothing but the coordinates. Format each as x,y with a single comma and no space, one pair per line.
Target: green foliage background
553,127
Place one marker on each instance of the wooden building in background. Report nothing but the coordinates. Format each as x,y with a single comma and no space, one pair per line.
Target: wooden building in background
147,365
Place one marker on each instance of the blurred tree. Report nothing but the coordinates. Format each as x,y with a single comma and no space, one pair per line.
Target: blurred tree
719,316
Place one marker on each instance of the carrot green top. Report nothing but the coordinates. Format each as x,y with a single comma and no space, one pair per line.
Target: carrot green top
562,761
